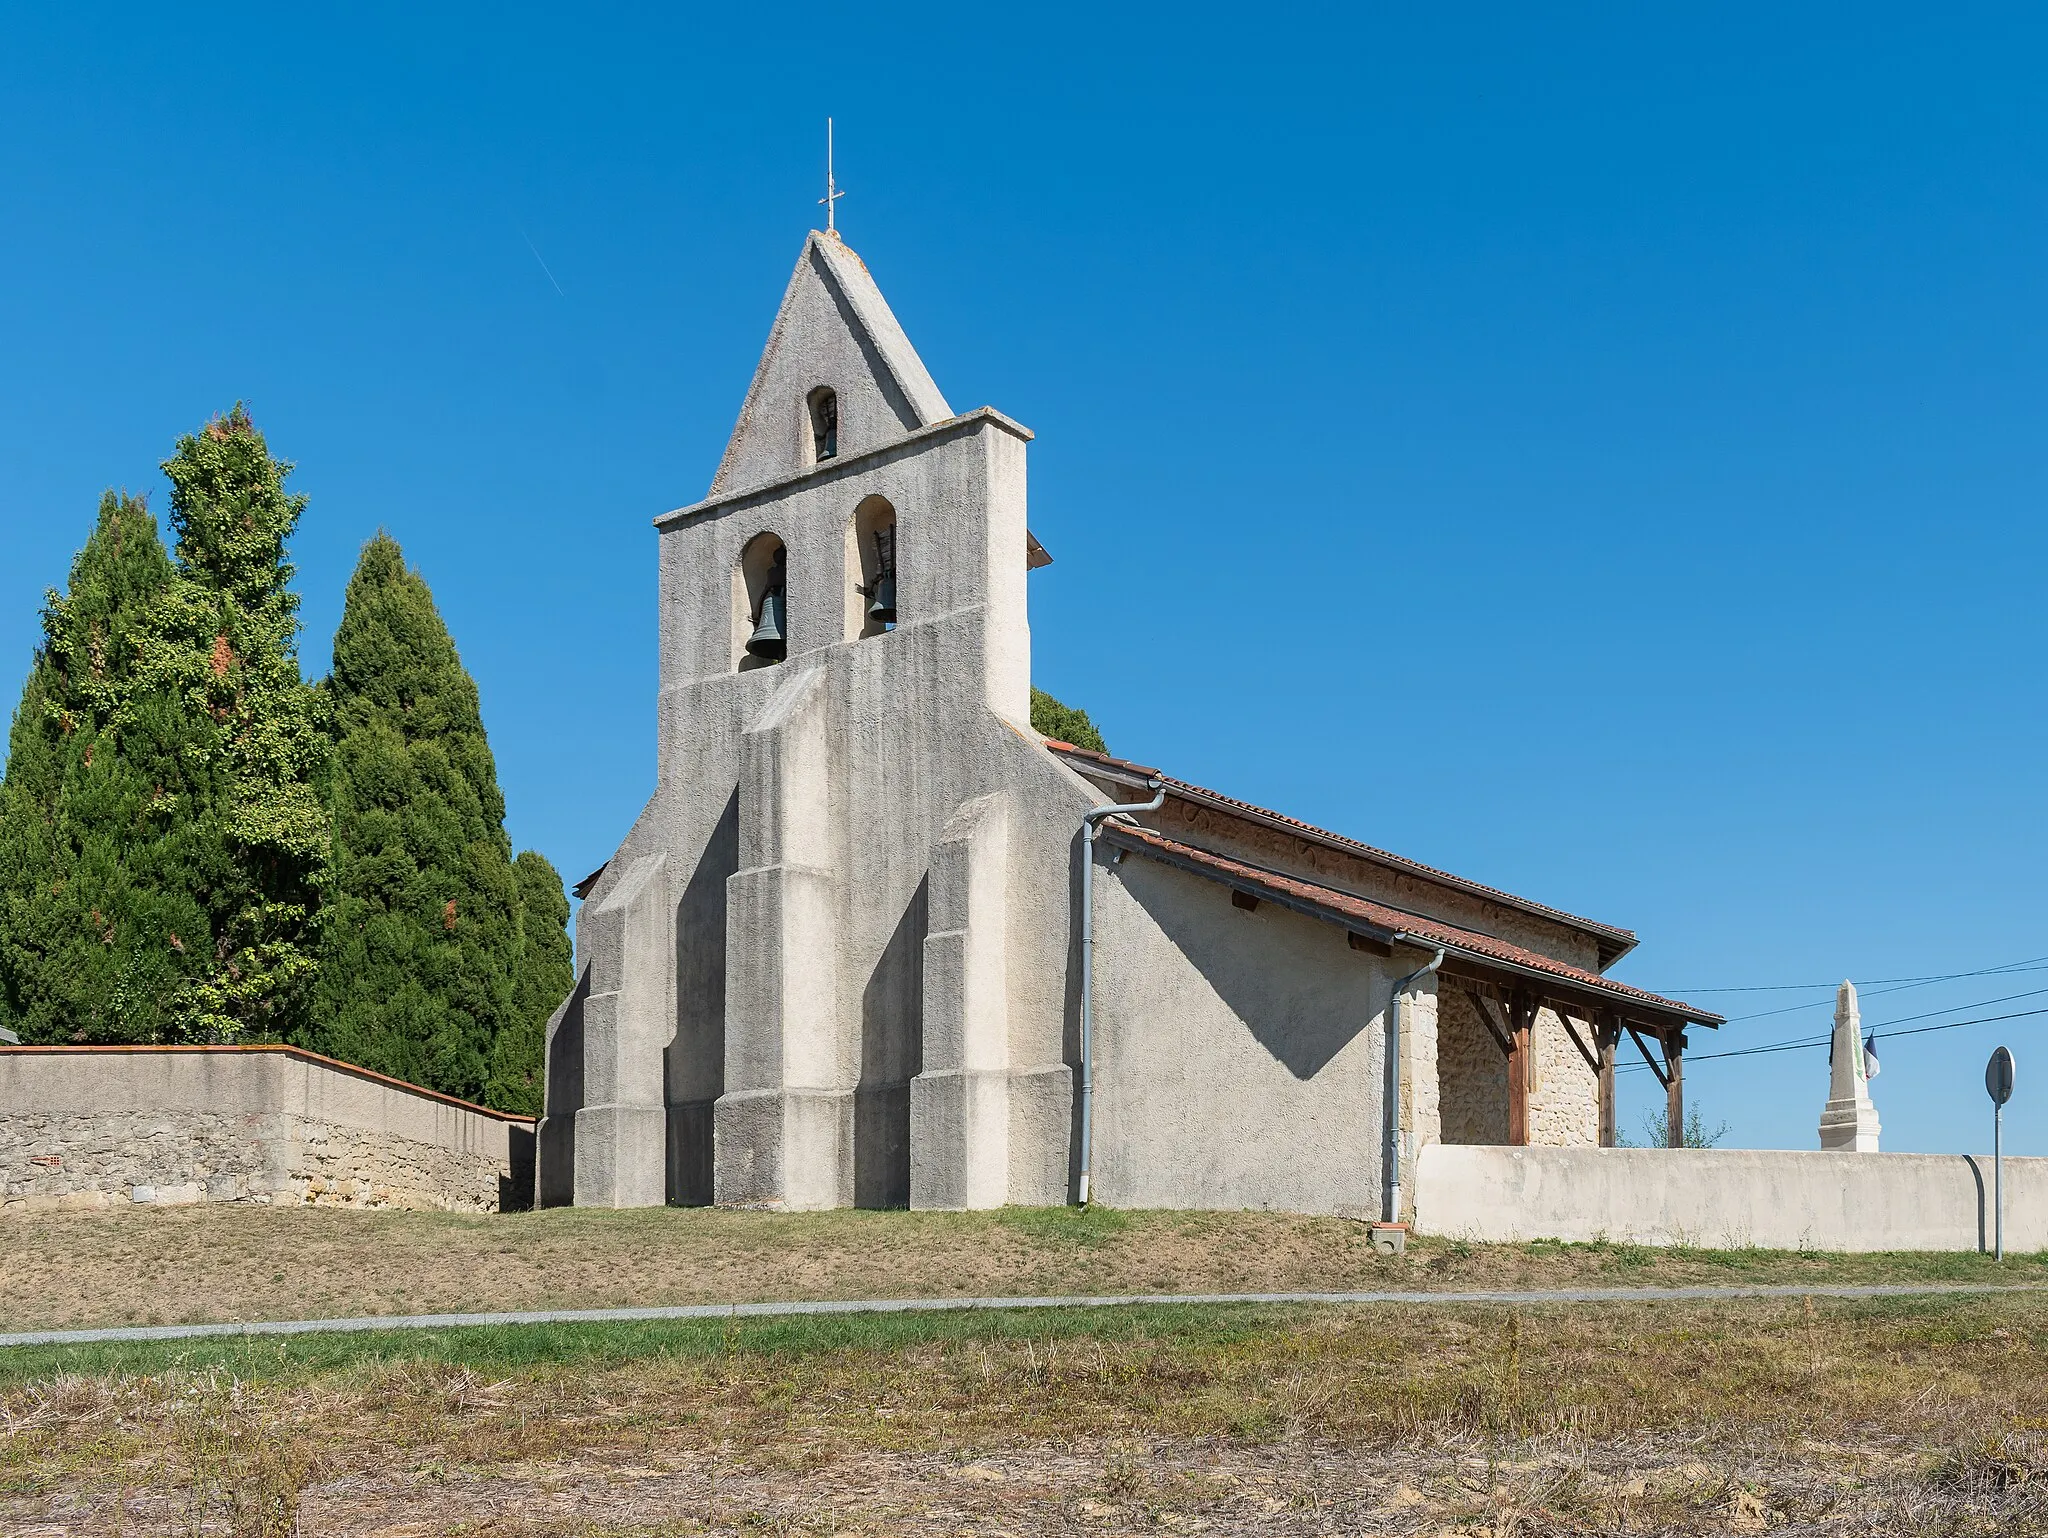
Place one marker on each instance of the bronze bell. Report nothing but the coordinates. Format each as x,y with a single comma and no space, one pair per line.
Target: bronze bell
769,640
882,596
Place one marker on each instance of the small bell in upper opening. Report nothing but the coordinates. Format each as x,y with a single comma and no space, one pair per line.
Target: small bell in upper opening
882,604
769,640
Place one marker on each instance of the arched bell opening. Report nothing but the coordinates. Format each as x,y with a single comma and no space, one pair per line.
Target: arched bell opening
871,569
760,604
821,415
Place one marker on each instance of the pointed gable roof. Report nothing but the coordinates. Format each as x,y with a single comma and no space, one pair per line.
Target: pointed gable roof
834,328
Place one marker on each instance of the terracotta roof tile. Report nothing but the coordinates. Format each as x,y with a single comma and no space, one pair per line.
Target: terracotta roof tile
1346,905
1623,940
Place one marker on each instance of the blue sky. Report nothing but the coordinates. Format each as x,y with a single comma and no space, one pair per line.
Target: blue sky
1598,453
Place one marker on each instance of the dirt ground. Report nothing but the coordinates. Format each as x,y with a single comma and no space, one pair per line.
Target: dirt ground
229,1263
1902,1417
1302,1491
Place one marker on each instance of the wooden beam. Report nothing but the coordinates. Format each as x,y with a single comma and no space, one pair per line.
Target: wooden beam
1369,945
1656,1067
1674,1089
1491,1017
1610,1038
1522,1017
1571,1029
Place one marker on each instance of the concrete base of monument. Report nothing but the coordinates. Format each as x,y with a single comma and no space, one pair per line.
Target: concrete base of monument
1849,1126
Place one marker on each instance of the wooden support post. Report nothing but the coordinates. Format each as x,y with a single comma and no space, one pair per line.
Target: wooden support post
1674,1088
1610,1038
1521,1016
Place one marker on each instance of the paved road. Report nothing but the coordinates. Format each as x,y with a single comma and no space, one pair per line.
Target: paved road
944,1305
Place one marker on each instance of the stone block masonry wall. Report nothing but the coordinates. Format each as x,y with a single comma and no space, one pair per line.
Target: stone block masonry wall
1564,1099
1472,1073
85,1128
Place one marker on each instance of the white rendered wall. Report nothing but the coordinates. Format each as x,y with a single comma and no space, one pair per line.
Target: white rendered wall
1237,1054
797,817
1728,1198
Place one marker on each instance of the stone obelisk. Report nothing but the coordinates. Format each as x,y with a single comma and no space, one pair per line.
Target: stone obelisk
1849,1124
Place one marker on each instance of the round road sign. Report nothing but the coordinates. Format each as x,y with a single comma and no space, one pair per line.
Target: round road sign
1998,1076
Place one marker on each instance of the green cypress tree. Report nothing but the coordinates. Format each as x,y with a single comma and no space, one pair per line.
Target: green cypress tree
546,972
421,937
105,856
226,647
1049,718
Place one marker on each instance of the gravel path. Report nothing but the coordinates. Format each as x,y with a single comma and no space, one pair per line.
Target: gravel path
942,1305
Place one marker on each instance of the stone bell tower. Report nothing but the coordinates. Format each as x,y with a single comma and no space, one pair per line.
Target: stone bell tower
825,968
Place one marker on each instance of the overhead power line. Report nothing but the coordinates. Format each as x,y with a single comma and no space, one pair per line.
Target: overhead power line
1811,1043
2032,964
1874,991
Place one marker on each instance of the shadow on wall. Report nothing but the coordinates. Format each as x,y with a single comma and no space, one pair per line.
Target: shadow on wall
693,1063
515,1191
1266,970
891,1055
557,1134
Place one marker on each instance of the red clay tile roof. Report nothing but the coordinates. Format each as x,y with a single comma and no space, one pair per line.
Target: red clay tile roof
1615,942
1349,908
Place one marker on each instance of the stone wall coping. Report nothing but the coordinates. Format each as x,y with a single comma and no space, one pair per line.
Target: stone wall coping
281,1048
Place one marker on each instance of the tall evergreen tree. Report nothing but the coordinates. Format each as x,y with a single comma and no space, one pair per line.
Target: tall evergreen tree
546,972
106,855
422,970
226,646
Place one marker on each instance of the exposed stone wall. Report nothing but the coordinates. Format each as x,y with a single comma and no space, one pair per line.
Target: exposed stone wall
1564,1095
1472,1072
85,1127
175,1158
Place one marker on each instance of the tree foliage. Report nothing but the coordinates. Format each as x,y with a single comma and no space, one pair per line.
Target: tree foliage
424,958
106,855
196,845
224,645
1049,718
546,972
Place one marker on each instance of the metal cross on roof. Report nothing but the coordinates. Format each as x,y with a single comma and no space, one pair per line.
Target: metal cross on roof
832,192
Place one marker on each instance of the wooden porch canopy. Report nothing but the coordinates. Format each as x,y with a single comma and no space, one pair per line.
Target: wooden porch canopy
1507,983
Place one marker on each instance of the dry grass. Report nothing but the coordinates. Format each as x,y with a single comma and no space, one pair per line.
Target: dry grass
211,1263
1900,1417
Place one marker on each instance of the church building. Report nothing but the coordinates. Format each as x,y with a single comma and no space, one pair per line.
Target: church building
866,946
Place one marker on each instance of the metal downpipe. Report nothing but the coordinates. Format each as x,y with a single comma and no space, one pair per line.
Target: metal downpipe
1090,821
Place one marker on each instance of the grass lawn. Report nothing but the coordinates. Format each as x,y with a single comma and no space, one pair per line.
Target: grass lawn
1892,1416
208,1263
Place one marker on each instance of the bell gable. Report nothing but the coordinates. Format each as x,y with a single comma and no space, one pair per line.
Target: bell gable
838,375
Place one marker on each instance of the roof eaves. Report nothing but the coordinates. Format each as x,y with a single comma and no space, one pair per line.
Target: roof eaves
1616,942
1379,922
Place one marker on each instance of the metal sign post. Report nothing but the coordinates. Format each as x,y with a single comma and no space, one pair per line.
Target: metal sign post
1998,1074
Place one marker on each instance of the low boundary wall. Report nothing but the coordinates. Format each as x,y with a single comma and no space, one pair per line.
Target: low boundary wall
1728,1198
85,1127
